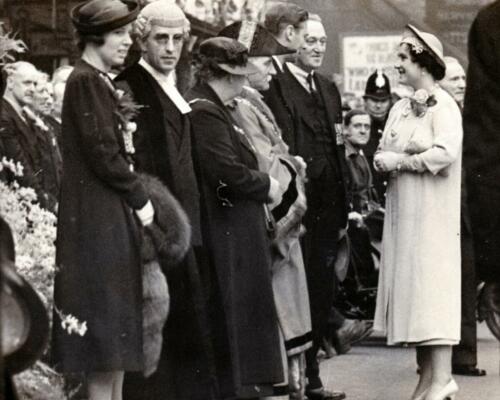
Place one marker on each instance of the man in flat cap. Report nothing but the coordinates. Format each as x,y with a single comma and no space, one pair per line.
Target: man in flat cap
163,149
316,118
378,102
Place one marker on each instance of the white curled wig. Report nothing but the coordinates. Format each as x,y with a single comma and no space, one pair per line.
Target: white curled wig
163,13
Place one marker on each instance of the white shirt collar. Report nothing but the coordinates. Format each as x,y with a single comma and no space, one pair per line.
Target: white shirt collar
168,85
300,75
278,63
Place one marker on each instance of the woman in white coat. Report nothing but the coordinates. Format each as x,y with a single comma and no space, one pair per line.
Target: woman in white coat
418,300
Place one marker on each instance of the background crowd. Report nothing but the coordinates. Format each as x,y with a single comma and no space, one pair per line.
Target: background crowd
221,238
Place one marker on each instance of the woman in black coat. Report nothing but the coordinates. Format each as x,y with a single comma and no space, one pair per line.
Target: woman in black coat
99,278
234,193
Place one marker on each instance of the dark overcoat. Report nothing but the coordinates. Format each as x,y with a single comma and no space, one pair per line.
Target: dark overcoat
234,192
20,142
280,101
481,119
98,239
163,149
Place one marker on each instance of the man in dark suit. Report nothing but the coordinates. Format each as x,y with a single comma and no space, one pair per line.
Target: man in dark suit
464,360
163,149
42,118
482,142
287,22
20,140
317,121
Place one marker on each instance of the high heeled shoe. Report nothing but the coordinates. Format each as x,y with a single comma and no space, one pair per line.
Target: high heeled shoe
448,392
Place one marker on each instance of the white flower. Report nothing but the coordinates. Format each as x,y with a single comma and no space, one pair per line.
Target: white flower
131,127
71,324
421,96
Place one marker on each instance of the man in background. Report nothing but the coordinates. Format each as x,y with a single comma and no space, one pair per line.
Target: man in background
19,139
481,149
464,360
286,22
378,103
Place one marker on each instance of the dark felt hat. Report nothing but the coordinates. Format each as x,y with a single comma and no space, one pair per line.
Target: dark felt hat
101,16
378,86
259,41
229,55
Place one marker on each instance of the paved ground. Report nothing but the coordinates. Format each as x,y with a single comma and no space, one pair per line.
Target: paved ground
372,371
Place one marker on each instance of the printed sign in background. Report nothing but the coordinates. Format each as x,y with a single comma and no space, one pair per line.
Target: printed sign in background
362,55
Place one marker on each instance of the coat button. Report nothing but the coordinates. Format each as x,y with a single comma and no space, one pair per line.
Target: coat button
227,233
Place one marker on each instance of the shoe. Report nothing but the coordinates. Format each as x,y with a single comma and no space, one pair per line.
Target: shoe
448,392
468,370
323,394
352,331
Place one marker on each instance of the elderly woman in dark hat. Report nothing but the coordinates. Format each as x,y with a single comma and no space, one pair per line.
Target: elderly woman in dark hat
235,196
419,287
102,205
257,120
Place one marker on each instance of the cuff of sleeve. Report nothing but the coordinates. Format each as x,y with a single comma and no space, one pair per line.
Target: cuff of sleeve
145,212
411,163
274,195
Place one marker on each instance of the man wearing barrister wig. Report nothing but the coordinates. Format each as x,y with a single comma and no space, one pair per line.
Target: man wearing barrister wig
163,149
257,120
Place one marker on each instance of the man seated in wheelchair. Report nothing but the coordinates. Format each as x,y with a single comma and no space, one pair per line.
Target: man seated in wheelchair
365,217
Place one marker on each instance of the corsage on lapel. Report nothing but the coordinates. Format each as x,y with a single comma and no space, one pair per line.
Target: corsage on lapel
421,101
125,111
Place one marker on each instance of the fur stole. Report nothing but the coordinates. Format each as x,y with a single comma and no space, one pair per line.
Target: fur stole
168,238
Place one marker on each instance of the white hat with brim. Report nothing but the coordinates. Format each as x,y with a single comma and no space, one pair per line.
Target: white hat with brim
430,42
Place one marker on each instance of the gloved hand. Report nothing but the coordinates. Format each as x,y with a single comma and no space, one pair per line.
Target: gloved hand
387,161
146,214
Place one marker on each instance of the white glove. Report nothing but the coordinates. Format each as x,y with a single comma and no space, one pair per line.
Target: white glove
387,161
275,194
146,214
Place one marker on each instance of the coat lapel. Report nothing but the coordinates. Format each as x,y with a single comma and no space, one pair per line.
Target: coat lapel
207,93
27,136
